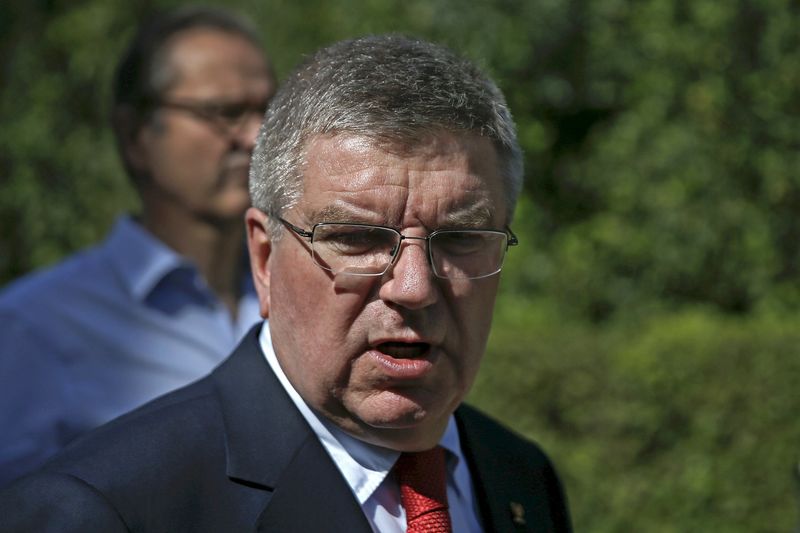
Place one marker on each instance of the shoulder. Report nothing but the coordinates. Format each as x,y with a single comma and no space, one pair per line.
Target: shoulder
46,314
148,462
79,273
38,503
163,465
475,425
500,448
511,473
145,444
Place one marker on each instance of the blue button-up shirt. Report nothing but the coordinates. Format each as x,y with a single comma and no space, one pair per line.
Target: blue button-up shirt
101,333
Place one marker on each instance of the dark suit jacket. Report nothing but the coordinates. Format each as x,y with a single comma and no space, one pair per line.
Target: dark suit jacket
232,453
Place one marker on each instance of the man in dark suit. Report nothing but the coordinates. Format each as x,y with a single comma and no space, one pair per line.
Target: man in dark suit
383,182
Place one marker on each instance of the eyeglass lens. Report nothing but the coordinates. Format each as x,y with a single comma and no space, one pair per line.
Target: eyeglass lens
368,251
225,115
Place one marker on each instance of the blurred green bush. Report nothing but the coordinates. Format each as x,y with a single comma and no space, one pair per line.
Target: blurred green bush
646,330
683,421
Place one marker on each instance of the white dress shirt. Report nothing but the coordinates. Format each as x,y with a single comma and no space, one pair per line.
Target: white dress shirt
366,467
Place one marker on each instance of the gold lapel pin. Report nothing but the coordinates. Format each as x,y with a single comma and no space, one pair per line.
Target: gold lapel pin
517,513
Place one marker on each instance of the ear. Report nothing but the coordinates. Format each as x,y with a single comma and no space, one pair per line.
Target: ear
128,127
259,243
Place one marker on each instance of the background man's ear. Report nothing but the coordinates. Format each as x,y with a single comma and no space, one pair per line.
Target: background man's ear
127,124
259,243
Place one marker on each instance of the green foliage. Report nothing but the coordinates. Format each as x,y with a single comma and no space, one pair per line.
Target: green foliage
61,182
682,422
645,329
686,188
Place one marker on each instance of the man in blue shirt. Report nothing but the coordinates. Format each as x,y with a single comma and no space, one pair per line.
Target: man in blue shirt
168,294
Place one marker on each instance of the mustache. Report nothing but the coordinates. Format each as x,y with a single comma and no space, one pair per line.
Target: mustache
233,169
236,160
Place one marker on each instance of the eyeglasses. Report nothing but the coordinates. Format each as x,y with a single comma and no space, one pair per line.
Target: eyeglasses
227,117
368,250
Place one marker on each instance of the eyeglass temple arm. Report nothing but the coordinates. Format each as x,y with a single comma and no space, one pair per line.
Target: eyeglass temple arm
512,239
299,231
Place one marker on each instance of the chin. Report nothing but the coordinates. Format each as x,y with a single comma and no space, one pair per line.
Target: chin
408,437
399,411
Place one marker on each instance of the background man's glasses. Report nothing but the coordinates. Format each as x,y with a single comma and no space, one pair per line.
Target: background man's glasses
367,250
228,117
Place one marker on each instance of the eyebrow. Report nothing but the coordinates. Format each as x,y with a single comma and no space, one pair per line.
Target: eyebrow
333,213
474,215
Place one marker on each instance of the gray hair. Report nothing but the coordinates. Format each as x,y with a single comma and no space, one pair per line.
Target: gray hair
390,88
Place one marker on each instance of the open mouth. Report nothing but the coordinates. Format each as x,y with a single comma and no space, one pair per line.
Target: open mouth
404,350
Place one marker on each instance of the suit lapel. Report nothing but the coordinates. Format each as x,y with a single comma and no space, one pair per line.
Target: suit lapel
270,446
511,495
492,503
312,495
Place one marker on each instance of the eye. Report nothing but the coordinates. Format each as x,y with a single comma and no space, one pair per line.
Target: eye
459,242
231,112
345,240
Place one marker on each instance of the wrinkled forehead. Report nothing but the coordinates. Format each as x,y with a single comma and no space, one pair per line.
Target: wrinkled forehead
344,152
438,177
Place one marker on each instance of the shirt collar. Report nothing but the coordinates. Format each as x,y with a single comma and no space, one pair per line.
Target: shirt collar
140,258
143,261
363,465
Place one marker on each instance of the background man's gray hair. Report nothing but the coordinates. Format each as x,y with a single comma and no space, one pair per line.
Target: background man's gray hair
391,88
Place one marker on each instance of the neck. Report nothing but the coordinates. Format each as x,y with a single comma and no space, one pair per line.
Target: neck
214,246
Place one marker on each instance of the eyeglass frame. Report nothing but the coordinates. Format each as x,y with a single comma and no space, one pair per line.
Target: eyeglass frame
511,240
210,111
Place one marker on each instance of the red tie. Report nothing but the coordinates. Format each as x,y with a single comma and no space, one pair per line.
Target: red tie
423,491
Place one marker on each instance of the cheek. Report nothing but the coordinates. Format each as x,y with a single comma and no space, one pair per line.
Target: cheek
311,320
322,305
202,158
471,310
294,325
290,300
180,167
195,149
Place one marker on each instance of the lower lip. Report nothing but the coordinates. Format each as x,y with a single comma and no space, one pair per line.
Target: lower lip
396,368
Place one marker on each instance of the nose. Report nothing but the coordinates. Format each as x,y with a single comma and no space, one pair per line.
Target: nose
410,282
245,133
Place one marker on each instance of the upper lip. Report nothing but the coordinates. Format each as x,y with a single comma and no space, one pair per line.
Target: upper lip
238,159
404,350
408,337
402,339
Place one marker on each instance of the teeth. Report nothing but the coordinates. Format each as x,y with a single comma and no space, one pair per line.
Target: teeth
404,350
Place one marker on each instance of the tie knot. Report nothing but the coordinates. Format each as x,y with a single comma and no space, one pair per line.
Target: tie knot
423,490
